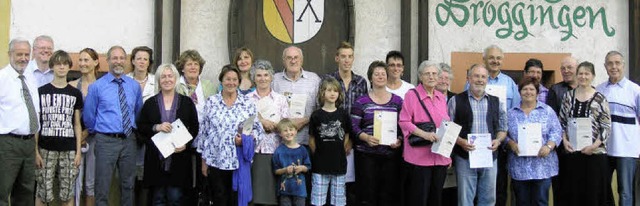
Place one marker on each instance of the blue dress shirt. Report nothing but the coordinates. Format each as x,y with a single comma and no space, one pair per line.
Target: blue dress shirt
101,111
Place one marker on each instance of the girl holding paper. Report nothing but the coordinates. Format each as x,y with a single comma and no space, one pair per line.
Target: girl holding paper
377,159
531,170
167,177
587,182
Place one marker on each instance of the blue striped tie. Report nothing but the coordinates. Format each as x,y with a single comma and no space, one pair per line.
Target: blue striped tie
124,108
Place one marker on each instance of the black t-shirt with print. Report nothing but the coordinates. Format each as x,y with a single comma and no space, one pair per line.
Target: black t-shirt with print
329,130
57,107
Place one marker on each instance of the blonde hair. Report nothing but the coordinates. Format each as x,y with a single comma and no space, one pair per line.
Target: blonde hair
286,123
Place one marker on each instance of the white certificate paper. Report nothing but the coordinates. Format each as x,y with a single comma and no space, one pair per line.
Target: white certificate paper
500,92
447,135
385,127
579,132
297,105
247,125
529,139
168,142
482,156
267,110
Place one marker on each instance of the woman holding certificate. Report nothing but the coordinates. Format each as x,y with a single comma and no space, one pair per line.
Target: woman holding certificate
534,132
374,119
586,122
424,108
228,129
167,177
272,107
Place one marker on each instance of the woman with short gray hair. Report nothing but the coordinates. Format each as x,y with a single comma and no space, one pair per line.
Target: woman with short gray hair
272,107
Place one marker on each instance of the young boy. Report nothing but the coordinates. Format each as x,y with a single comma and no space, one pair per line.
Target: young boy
58,142
290,160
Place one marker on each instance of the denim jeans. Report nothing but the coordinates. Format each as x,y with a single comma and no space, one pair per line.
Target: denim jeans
167,196
625,168
472,182
532,192
114,152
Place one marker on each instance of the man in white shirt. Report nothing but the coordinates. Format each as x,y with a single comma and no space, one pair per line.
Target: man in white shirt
623,147
39,65
19,111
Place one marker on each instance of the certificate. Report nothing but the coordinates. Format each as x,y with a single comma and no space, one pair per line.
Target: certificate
268,110
385,127
297,105
500,92
482,156
168,142
529,139
579,132
247,125
447,135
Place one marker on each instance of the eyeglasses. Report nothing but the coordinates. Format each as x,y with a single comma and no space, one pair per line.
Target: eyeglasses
289,58
396,65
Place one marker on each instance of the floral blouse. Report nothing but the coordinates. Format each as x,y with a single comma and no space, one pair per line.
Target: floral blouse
278,102
219,126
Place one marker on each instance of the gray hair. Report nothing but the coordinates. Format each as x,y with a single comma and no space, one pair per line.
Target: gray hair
161,69
493,46
114,48
473,67
613,52
444,67
260,64
15,41
42,38
426,64
284,52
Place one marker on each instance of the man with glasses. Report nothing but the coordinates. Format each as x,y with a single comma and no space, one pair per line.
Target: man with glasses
19,111
39,65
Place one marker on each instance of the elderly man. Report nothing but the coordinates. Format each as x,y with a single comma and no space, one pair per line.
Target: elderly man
533,69
110,110
623,147
39,65
19,111
506,90
477,112
568,67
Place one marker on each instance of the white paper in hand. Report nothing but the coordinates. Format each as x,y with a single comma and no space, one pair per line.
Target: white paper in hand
579,133
529,139
247,125
482,156
447,135
168,142
385,127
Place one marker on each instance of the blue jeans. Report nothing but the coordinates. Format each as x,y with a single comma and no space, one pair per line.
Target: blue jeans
112,152
532,192
471,181
167,196
626,169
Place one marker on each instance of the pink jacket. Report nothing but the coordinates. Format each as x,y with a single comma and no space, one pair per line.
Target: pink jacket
413,112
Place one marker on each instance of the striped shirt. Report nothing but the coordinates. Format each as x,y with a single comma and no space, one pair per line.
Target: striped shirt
307,84
362,118
357,88
479,108
624,103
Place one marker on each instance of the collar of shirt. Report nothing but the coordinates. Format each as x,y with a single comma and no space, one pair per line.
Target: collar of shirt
423,93
497,77
254,94
302,75
241,99
542,88
622,83
484,95
538,106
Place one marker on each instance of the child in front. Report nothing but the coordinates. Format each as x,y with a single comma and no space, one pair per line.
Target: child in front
290,161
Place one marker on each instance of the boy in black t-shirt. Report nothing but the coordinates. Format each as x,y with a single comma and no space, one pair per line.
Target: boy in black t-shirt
328,139
59,137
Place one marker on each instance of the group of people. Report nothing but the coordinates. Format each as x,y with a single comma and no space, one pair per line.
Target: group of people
296,137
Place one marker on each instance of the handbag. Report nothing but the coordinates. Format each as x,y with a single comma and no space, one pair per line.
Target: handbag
415,140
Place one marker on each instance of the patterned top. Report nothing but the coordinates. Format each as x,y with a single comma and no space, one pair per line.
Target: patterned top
278,102
542,94
624,102
411,113
479,108
362,118
357,88
307,84
598,113
534,168
219,126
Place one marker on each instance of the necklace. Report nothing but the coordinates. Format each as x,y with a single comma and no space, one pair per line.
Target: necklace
143,81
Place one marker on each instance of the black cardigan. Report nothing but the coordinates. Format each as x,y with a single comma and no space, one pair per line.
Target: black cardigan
179,174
